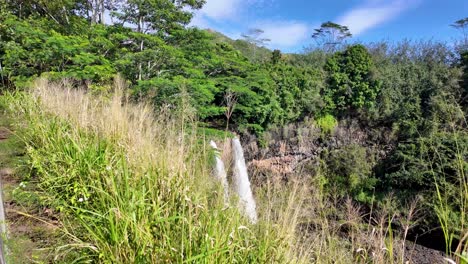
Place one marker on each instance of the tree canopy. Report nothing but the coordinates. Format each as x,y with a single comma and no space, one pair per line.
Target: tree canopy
351,85
330,35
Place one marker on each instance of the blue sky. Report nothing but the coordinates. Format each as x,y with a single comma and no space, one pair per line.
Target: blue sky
290,23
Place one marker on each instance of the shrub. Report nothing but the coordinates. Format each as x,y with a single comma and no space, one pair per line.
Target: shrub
327,124
350,82
349,171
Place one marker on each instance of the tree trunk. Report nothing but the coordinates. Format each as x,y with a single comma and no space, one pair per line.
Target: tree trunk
140,65
1,73
101,12
66,15
93,12
140,25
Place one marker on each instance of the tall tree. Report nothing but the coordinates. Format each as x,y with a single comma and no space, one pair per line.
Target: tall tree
157,16
276,56
464,79
350,81
330,35
95,10
253,37
58,11
462,24
230,99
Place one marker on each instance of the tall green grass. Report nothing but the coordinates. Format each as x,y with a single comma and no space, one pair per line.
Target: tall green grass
451,202
445,154
134,187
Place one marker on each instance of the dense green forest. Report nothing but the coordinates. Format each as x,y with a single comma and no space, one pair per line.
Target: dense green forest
390,118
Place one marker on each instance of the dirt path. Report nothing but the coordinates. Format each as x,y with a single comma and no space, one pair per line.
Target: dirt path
4,133
31,228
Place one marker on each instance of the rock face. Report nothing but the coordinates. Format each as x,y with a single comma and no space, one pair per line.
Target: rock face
294,147
277,165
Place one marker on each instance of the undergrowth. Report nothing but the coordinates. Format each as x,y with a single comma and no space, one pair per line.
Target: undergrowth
131,186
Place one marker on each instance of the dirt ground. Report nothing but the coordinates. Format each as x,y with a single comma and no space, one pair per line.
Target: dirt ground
4,133
417,254
31,230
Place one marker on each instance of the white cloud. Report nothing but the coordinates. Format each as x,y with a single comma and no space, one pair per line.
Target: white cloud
231,17
374,13
284,34
200,21
221,9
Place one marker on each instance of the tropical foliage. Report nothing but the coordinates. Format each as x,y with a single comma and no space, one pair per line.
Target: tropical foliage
408,100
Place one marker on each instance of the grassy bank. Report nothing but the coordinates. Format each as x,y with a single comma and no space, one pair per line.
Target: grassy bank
131,187
31,231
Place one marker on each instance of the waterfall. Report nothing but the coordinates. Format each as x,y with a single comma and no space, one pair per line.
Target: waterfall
220,172
242,183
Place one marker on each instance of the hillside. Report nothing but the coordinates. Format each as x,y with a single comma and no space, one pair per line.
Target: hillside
249,50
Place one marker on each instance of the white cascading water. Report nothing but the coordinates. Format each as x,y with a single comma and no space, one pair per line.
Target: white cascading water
242,183
220,172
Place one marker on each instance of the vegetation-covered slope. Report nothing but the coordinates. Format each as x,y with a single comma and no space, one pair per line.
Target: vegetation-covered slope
364,122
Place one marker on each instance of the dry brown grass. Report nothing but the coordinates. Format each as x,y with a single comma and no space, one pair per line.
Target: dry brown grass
134,127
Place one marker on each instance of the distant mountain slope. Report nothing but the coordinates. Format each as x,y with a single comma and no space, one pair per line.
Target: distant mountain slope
251,51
